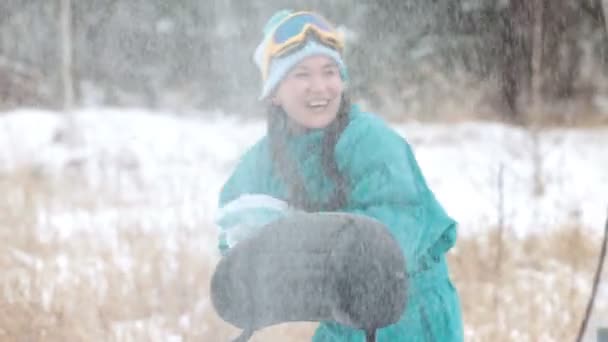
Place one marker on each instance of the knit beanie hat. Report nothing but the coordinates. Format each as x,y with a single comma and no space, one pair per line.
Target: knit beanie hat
279,67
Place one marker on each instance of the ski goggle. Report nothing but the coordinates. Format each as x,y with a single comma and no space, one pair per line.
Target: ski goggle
292,31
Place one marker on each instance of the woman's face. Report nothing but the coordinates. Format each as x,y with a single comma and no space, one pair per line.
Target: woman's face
311,92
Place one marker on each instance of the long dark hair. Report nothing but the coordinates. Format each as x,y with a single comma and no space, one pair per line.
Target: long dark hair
285,168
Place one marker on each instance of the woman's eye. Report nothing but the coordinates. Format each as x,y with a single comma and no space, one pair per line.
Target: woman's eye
301,75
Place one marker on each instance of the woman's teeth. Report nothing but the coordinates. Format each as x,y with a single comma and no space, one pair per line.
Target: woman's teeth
318,104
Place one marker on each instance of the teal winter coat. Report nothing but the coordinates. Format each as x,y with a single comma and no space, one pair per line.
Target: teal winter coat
385,183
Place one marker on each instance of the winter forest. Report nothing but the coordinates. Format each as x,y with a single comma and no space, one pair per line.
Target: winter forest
121,119
488,58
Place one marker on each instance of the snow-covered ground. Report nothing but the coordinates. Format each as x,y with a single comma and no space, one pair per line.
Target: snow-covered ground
162,171
543,180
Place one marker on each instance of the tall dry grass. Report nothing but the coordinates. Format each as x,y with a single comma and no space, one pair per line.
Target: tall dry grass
135,284
138,285
536,290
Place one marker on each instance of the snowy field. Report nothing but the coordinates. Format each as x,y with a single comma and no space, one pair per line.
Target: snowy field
162,173
542,180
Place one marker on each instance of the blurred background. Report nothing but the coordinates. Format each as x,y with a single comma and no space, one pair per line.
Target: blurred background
410,58
121,119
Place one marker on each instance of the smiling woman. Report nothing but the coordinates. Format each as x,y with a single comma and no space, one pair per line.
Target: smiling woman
311,92
322,154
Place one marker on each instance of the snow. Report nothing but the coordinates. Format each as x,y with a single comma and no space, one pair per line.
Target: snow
157,161
164,173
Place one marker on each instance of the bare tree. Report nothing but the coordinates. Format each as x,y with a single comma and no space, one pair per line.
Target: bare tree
597,11
536,55
67,68
515,67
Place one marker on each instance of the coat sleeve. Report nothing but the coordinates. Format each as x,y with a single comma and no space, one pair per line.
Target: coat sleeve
243,199
386,184
243,179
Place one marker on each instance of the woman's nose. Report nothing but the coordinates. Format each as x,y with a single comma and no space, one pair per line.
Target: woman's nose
317,83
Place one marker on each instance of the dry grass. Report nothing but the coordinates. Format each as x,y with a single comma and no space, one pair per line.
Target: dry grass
143,285
536,291
139,286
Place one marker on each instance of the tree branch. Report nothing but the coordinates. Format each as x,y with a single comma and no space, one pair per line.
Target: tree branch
596,281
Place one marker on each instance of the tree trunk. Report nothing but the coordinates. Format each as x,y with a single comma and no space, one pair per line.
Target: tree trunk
600,10
536,100
515,67
67,77
562,52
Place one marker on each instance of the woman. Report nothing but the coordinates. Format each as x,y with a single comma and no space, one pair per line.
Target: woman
323,154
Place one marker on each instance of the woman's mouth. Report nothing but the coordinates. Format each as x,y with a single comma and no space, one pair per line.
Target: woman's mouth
318,105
